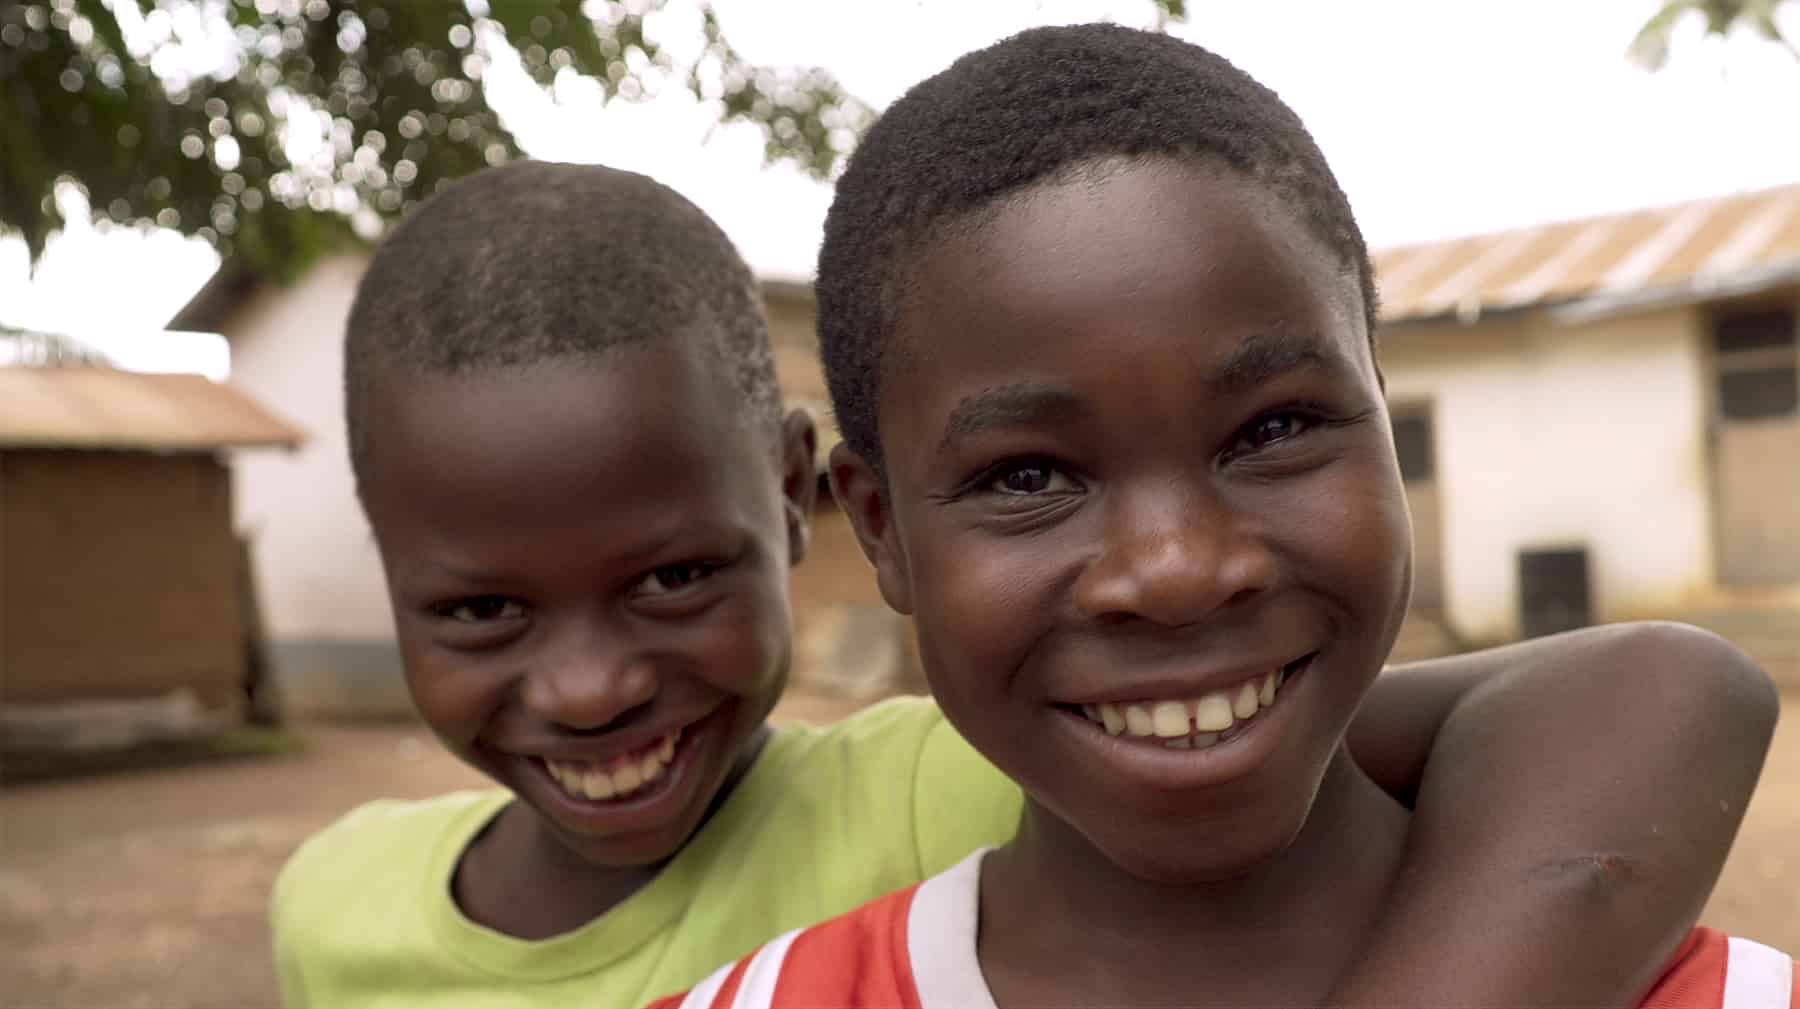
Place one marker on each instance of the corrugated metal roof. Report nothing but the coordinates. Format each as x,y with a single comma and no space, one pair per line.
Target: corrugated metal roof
1691,246
103,408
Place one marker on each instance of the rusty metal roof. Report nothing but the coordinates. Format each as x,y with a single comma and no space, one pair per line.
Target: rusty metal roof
103,408
1692,246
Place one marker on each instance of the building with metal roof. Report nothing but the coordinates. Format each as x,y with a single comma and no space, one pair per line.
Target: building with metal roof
121,575
1600,420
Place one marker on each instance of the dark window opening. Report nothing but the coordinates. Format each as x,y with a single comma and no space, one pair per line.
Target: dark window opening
1754,330
1413,444
1764,392
1554,591
1758,367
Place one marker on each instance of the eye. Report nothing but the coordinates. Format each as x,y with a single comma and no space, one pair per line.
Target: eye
481,610
672,578
1272,428
1024,479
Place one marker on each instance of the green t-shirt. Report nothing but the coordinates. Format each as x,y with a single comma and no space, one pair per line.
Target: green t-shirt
826,820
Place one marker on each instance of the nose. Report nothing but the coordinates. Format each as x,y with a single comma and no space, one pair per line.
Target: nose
589,681
1173,555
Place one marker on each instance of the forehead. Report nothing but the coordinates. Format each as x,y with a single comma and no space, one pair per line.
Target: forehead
1188,261
641,437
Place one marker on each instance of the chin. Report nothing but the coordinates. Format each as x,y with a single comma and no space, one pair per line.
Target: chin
645,851
1200,853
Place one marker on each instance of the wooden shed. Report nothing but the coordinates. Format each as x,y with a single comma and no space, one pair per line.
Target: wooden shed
120,573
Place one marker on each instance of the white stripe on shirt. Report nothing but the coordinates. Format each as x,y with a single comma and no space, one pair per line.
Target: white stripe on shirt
1756,977
701,995
757,991
940,938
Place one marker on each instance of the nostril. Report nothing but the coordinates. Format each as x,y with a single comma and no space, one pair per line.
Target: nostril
1240,596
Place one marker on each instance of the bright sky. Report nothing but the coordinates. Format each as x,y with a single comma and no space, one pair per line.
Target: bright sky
1440,117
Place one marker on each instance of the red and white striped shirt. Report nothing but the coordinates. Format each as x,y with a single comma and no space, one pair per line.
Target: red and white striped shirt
915,949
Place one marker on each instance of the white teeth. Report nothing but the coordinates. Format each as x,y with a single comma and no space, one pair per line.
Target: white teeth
597,784
1212,713
628,777
1170,718
1111,717
1181,725
585,780
1244,704
1138,722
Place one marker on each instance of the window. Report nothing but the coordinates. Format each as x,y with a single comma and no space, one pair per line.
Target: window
1553,591
1754,330
1759,369
1413,443
1763,392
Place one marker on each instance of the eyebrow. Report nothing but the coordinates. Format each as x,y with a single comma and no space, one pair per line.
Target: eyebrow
433,567
1260,359
1266,356
1021,404
640,554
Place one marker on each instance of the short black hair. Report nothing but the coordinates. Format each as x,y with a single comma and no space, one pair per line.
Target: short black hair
534,261
1020,112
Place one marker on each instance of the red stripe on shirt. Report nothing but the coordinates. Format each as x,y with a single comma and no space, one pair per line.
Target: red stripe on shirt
858,959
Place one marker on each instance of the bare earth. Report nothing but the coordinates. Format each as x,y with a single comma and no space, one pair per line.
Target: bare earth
151,889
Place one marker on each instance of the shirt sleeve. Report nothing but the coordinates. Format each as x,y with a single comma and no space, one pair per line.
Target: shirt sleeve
304,892
960,801
282,937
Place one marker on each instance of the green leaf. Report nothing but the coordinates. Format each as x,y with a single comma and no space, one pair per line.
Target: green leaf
395,83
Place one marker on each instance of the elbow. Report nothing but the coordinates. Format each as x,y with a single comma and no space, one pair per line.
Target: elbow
1698,675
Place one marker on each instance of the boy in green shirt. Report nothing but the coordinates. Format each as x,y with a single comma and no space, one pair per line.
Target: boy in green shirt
570,445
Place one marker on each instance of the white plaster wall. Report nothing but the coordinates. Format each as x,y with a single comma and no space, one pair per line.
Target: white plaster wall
318,572
1551,435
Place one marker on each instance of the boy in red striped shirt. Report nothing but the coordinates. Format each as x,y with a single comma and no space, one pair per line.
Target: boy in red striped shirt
1098,324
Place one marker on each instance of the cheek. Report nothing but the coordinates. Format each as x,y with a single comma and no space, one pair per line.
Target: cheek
1356,532
456,696
743,644
980,603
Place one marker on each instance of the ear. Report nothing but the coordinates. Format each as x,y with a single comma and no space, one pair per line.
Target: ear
799,480
862,495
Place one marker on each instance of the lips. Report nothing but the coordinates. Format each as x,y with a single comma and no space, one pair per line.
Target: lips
1194,722
619,777
1184,758
592,786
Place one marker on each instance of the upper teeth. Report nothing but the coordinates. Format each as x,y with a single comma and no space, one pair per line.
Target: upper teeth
1188,723
619,776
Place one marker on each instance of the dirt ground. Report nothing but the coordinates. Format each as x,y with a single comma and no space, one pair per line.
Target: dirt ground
151,888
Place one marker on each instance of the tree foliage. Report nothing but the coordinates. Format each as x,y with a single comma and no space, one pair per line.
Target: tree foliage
1650,49
33,349
276,129
320,120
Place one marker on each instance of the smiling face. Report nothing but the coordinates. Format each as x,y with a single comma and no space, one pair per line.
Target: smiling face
1143,505
588,564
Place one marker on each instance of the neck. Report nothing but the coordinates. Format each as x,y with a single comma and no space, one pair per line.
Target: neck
1279,934
519,878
